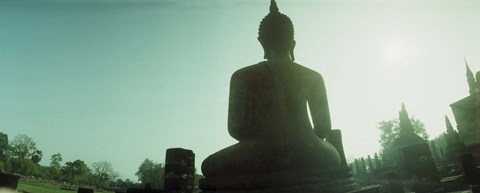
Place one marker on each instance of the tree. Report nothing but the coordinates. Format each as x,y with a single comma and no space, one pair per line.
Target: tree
4,147
41,171
114,176
23,147
127,183
22,166
74,171
37,156
55,166
103,173
389,131
55,160
151,172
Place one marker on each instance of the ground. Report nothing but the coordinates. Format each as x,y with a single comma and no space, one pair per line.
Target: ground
43,188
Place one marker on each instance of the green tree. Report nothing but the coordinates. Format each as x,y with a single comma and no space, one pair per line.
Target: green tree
4,147
22,166
41,171
55,166
389,131
75,171
113,177
127,183
103,173
23,147
37,156
151,172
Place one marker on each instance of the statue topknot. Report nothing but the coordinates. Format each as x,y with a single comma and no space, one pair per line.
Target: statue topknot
273,7
276,29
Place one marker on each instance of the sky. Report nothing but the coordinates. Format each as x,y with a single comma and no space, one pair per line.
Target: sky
125,80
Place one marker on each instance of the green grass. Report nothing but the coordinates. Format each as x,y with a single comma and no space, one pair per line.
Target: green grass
44,188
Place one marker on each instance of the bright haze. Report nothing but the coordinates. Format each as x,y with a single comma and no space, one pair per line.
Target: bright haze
122,81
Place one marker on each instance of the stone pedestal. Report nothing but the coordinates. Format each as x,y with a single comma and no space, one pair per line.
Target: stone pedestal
336,180
146,189
9,180
179,170
139,190
377,188
395,184
420,168
470,169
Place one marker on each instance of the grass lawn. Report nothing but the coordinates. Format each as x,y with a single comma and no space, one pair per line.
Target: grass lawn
44,188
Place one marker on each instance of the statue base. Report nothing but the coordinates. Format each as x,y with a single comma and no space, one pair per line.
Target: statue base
338,180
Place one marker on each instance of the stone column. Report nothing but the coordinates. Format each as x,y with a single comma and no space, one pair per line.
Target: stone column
335,138
364,166
370,164
9,180
352,167
434,151
179,170
357,167
378,164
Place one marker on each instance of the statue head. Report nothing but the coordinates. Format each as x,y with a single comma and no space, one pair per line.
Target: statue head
276,32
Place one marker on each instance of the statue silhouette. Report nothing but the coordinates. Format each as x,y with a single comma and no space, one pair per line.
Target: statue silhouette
268,111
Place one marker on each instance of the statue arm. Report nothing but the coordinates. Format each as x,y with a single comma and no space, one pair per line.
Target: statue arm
319,110
237,109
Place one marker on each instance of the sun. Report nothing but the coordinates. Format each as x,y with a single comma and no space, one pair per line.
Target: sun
395,50
398,52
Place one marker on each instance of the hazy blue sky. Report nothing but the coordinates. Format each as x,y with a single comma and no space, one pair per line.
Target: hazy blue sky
125,80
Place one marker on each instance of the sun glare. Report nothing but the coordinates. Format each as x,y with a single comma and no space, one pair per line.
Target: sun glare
395,50
398,52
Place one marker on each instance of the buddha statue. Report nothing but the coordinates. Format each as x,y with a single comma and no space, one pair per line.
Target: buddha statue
268,112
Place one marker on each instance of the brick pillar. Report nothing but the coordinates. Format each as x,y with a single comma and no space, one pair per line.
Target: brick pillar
179,170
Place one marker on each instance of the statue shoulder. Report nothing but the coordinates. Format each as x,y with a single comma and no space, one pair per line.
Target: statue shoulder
250,71
309,73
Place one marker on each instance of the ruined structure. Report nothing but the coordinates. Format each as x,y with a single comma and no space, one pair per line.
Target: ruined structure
410,155
467,114
455,146
393,155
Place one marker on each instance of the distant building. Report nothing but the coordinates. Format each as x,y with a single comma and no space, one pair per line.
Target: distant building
467,114
411,157
393,155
